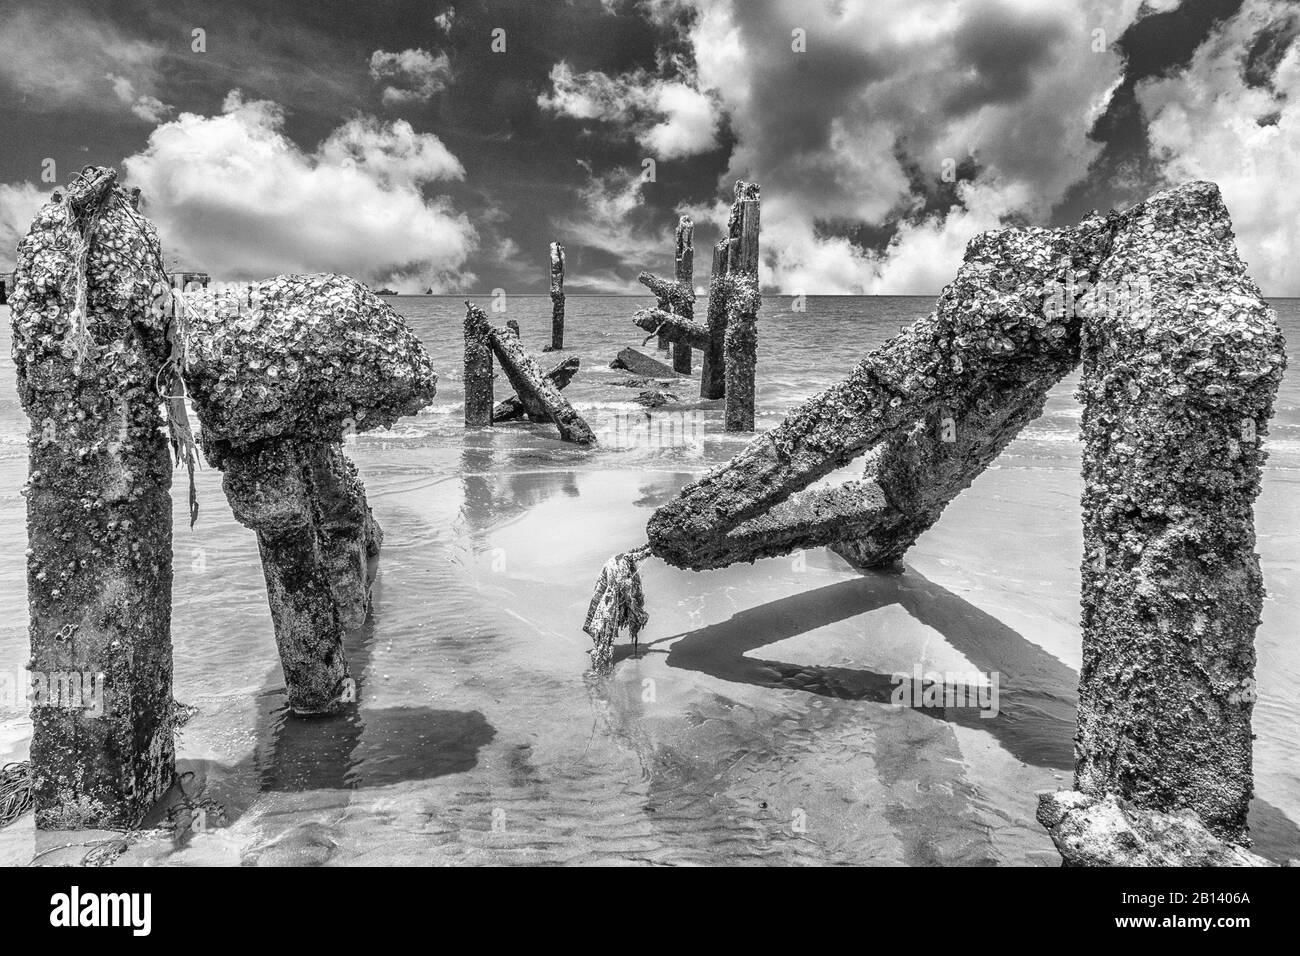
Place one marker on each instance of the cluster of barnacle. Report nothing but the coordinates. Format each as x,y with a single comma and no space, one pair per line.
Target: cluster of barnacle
311,354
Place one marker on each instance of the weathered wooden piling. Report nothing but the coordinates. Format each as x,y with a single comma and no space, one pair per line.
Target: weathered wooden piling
88,348
478,369
713,362
742,298
270,490
513,407
1181,362
684,272
557,297
950,376
540,398
349,535
277,385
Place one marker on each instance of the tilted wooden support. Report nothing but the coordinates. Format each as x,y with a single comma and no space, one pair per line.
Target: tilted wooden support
538,394
981,341
512,407
1182,360
673,327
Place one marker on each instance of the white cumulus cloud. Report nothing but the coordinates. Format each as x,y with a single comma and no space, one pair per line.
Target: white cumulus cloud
1209,123
411,74
232,195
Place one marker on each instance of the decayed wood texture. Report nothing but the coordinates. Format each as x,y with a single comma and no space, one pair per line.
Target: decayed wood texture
989,336
557,297
542,401
512,408
1179,379
478,369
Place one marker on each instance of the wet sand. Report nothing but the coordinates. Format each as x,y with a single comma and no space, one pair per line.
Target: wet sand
755,724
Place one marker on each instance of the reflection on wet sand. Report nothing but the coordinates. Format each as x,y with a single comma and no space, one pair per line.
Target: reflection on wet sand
1037,698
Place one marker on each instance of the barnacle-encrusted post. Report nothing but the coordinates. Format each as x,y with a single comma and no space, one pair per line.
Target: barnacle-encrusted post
1181,363
478,369
538,393
684,272
89,348
557,297
277,385
934,406
713,363
513,407
742,300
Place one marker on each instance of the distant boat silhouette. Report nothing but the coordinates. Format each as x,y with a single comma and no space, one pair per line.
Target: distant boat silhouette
386,292
429,291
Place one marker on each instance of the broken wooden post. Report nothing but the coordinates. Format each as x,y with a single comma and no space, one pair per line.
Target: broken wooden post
277,385
513,407
684,272
713,363
349,535
951,375
270,491
741,294
557,297
1181,362
542,401
89,348
478,369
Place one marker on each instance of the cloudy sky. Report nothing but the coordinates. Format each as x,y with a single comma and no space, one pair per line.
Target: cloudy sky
420,144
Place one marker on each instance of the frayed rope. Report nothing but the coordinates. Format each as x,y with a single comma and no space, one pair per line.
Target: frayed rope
618,602
15,791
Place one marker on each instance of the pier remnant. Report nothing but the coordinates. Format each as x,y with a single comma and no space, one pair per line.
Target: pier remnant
557,297
513,407
684,272
277,384
953,374
1109,831
1182,360
89,350
713,360
478,369
1181,364
638,363
741,298
538,394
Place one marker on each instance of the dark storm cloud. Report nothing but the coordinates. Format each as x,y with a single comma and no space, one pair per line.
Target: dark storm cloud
1156,45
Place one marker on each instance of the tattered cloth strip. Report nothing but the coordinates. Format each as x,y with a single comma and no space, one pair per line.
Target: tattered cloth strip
15,791
618,603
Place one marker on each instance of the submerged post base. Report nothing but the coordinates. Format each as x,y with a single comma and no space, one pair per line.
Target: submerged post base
314,533
1113,832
